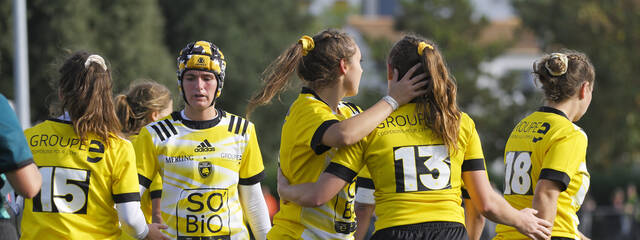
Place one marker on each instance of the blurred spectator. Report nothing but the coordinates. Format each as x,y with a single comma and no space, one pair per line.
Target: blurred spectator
632,211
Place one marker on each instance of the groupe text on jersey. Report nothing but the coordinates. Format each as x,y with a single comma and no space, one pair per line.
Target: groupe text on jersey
546,145
201,164
417,178
81,182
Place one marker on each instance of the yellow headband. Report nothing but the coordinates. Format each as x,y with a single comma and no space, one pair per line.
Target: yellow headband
307,44
423,45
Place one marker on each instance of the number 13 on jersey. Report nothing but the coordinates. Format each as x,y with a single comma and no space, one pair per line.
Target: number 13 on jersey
422,168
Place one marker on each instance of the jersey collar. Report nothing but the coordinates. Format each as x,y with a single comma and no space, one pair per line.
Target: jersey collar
310,91
199,124
552,110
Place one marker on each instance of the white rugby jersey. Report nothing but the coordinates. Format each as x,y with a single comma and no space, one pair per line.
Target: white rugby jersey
201,164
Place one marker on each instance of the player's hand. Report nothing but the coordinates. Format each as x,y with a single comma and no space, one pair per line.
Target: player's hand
283,182
532,226
155,233
407,88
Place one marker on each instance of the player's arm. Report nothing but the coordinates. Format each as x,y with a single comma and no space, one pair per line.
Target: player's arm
497,209
351,130
25,180
255,208
249,189
156,212
310,194
545,199
474,221
126,197
364,213
365,203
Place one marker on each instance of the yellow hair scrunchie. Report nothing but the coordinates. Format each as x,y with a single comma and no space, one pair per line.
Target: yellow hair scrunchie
422,46
307,44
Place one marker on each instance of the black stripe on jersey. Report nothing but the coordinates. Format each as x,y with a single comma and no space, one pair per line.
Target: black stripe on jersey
552,110
231,122
206,143
554,175
342,172
173,129
144,181
155,194
465,194
240,122
316,140
363,182
252,180
164,129
199,124
162,138
244,129
473,165
353,107
126,197
59,120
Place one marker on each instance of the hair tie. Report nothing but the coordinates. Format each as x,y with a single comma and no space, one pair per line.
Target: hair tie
422,46
307,44
565,64
95,59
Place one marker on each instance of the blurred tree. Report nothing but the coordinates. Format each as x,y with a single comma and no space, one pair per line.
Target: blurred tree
251,34
127,33
609,33
451,24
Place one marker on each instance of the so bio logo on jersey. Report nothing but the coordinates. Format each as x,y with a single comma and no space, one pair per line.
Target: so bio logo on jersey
204,146
203,213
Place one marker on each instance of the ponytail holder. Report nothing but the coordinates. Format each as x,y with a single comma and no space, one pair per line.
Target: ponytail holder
95,59
565,64
307,44
422,46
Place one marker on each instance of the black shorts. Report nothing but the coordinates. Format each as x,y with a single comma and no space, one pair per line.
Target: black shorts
423,231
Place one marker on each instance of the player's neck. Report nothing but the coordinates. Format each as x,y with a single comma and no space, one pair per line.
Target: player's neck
331,96
200,115
568,107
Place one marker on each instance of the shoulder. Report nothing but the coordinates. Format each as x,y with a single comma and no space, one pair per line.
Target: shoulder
235,123
351,107
466,123
162,129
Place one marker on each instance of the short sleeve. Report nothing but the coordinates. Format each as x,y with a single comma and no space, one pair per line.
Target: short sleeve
14,151
156,187
146,158
563,159
473,155
318,117
125,182
251,167
348,161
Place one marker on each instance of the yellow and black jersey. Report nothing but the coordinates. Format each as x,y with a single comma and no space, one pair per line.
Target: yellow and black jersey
155,191
417,178
201,164
81,183
302,159
546,145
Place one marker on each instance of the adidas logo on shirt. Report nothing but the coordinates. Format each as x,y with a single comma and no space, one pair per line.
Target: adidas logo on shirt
204,146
